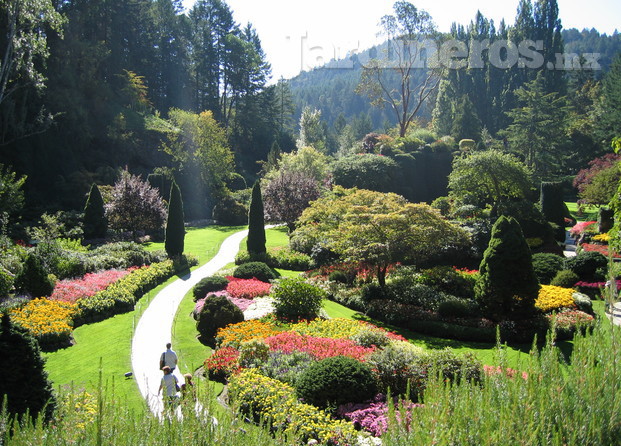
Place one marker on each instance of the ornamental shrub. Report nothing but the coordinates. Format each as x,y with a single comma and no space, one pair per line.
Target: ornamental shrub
256,270
391,366
95,221
296,299
208,285
447,280
565,278
33,278
458,307
507,286
590,266
175,226
217,312
230,212
450,366
255,243
553,207
546,266
334,381
583,303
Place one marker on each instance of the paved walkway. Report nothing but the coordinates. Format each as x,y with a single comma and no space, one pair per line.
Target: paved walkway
155,325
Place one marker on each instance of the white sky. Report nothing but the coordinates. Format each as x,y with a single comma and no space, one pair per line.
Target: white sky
298,35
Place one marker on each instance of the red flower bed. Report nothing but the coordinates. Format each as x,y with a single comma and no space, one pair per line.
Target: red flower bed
247,288
71,290
319,348
222,364
602,249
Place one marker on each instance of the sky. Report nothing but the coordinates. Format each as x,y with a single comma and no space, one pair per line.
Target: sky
299,35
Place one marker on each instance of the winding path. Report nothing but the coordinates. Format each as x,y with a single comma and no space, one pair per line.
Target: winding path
154,328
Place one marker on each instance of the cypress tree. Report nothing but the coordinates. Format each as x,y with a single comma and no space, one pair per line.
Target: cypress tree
26,384
256,223
507,286
175,228
95,222
553,207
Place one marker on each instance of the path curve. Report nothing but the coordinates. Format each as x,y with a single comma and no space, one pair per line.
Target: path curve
154,328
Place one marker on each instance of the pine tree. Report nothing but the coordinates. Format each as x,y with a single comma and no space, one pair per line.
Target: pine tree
95,222
467,124
507,286
256,223
26,385
175,228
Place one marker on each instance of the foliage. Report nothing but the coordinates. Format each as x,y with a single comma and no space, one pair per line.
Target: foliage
334,381
207,285
455,307
253,353
287,194
27,388
392,367
175,227
280,257
95,222
602,186
257,270
247,288
546,266
255,243
135,206
569,321
554,298
589,266
217,312
585,176
296,299
507,286
286,367
377,229
448,280
34,278
565,278
489,177
367,171
230,212
553,207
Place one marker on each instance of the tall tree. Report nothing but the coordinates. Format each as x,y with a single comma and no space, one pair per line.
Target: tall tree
256,223
466,124
175,227
405,30
95,222
608,121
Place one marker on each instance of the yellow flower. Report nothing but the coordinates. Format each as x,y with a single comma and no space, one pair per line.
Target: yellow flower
554,297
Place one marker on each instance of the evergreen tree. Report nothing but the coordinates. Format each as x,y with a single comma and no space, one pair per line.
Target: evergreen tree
175,228
553,207
33,278
467,124
95,222
507,286
256,223
25,385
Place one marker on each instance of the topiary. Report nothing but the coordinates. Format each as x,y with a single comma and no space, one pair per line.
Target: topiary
33,278
296,299
334,381
217,312
257,270
507,286
546,266
553,207
208,285
565,278
255,243
95,221
590,266
175,227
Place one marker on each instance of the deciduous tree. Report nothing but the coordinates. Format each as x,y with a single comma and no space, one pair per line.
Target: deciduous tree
287,195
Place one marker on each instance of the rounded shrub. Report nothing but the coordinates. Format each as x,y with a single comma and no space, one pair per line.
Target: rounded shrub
230,212
589,266
334,381
296,299
33,278
546,266
256,270
391,365
456,307
338,276
583,302
217,312
286,367
447,280
208,285
565,278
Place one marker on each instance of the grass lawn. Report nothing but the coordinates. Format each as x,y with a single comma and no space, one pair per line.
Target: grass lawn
589,212
105,347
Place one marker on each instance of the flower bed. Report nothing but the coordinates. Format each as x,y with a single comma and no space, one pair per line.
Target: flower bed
319,348
554,298
89,285
247,288
233,335
602,249
49,321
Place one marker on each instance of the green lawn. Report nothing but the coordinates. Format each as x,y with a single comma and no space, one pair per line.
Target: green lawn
590,212
105,347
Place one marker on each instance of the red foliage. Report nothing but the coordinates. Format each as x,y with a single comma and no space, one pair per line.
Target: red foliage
585,176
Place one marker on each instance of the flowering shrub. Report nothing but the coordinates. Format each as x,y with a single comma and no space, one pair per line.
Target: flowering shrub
338,328
274,402
583,226
201,302
234,334
373,417
571,318
596,285
554,297
602,238
319,348
247,288
72,290
222,364
49,321
602,249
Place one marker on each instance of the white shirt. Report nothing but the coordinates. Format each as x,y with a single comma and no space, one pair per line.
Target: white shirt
168,383
170,358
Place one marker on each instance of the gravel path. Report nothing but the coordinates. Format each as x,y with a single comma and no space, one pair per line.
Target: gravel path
154,328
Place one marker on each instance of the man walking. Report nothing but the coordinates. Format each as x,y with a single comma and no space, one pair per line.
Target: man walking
168,358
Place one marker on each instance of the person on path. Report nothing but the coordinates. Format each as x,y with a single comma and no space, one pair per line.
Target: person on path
187,388
168,359
170,385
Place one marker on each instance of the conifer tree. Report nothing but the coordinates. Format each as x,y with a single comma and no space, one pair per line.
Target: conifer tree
256,223
95,222
175,228
26,384
507,286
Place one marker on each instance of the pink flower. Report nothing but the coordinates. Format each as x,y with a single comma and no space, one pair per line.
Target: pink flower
319,348
72,290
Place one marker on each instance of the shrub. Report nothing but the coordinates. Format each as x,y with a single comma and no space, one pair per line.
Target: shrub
230,212
33,278
286,367
296,299
546,266
450,366
207,285
565,278
456,307
288,259
175,227
6,283
95,221
370,336
255,243
256,270
335,381
338,276
589,266
583,303
217,312
553,298
447,280
407,291
570,321
391,366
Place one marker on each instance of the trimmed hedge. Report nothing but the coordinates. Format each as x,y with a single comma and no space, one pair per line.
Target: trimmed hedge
255,270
